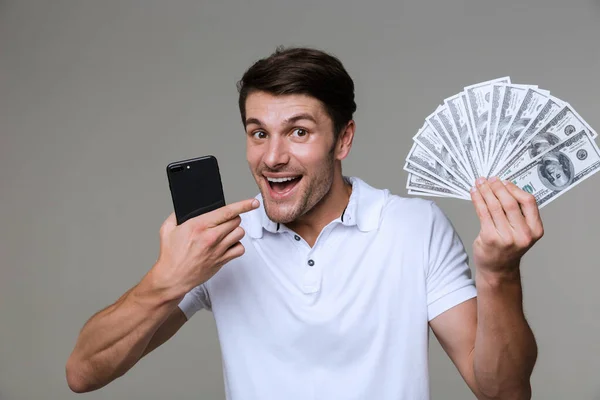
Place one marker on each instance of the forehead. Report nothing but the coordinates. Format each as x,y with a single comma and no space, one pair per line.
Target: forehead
272,109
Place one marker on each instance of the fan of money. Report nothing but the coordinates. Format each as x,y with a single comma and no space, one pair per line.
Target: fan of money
516,132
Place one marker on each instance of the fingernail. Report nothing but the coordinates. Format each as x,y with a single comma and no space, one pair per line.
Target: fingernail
493,179
473,189
480,181
255,203
505,183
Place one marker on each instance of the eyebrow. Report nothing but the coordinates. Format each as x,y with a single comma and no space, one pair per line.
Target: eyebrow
287,121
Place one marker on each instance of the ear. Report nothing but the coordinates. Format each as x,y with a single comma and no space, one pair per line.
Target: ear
344,141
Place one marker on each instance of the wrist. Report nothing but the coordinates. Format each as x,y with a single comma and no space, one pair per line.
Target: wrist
502,288
156,286
509,276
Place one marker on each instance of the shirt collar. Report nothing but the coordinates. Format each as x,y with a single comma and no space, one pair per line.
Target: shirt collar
363,210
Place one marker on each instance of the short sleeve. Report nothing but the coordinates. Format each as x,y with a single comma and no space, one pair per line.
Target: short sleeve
449,280
194,301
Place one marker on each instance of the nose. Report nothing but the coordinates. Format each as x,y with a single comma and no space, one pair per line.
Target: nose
277,154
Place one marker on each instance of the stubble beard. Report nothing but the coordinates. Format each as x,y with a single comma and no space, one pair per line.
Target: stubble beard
315,192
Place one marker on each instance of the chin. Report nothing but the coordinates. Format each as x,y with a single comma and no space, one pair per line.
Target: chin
280,213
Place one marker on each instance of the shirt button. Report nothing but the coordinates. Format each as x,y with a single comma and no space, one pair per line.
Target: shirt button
297,237
311,262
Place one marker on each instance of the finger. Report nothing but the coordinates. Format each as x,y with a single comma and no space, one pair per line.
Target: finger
230,211
510,205
494,207
232,238
226,228
235,251
529,207
482,211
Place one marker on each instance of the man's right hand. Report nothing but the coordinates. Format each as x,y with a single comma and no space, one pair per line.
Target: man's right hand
191,253
115,338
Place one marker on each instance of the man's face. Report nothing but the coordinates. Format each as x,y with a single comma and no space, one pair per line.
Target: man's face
290,151
556,174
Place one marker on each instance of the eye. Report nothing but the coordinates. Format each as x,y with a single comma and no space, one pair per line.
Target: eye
259,135
300,132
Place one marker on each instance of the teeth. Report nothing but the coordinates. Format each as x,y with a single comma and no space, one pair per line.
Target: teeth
281,179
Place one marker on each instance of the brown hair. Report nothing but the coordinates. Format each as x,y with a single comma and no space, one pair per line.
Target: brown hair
301,70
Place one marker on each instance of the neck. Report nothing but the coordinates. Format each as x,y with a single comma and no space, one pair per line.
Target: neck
310,225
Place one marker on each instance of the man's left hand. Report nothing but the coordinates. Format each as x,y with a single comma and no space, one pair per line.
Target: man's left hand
510,225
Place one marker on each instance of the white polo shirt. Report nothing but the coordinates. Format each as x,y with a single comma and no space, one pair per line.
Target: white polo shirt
345,319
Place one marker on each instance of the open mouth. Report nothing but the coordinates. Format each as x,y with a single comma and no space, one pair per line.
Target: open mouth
282,186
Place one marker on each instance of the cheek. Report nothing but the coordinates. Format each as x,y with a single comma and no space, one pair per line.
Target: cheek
252,156
310,155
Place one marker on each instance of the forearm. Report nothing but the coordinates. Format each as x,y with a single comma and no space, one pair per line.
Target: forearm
114,339
505,348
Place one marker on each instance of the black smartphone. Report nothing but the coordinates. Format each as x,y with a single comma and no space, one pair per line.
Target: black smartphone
196,187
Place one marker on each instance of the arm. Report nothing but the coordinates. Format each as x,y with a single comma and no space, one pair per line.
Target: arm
489,339
505,348
146,316
506,355
116,338
167,330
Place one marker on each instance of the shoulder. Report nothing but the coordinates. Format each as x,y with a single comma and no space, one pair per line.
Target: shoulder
400,205
382,208
413,211
414,216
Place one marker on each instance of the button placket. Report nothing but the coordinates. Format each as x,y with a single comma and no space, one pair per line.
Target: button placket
297,240
312,280
312,273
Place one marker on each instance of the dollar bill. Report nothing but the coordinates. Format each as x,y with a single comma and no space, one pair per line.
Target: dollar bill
435,123
560,128
497,128
497,96
530,106
414,170
432,142
478,107
457,109
512,100
422,186
548,111
423,160
559,169
443,115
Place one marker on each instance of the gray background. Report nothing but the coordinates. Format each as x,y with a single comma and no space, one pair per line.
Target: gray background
96,97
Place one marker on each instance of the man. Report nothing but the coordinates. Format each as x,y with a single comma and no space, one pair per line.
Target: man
327,289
